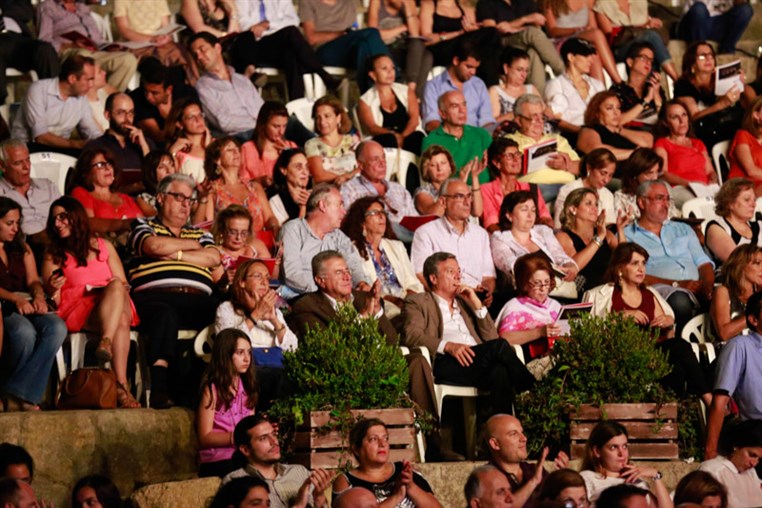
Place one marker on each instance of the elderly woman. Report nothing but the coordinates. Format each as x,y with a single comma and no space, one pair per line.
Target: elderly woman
604,128
746,149
156,165
392,483
96,180
438,165
702,489
734,468
644,165
385,258
232,234
331,155
504,160
33,335
521,235
225,187
564,486
512,85
585,238
641,95
686,159
596,170
259,154
741,278
187,136
291,183
735,205
713,117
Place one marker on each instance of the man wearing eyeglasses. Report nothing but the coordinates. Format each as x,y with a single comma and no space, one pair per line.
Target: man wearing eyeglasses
677,266
171,279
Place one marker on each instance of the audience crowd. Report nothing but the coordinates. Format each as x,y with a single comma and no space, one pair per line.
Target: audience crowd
472,199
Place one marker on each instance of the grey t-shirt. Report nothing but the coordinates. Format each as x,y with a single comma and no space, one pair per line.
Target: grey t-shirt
328,18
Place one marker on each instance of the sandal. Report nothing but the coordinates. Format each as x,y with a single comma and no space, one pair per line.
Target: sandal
124,398
14,404
103,351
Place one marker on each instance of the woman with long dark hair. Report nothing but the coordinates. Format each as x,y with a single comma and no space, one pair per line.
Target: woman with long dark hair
258,155
95,491
291,185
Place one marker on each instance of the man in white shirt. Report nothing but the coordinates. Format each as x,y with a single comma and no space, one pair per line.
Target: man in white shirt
453,324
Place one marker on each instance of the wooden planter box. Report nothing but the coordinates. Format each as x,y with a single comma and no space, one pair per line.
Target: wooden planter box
317,448
651,435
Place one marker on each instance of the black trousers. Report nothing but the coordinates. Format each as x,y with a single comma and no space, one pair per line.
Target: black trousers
495,368
687,376
26,54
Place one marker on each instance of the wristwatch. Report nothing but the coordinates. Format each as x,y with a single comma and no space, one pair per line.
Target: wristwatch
657,476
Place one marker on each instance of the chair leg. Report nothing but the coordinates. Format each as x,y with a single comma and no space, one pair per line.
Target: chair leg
469,424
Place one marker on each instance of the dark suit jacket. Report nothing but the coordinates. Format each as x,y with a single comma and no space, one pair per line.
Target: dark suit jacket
422,322
315,309
22,11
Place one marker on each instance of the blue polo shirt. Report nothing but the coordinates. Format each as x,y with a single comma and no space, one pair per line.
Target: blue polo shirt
675,255
475,92
739,373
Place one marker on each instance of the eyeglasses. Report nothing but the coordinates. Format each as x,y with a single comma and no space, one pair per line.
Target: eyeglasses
101,165
237,233
644,58
197,116
256,276
704,56
513,155
534,118
540,284
571,503
181,198
459,197
373,213
660,198
61,217
339,273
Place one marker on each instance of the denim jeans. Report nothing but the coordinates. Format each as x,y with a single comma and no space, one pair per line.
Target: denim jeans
661,54
727,28
353,50
31,344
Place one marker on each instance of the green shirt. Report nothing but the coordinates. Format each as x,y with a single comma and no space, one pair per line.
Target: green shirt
473,143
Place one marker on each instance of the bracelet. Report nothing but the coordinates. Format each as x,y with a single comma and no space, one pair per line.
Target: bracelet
282,326
644,104
657,476
179,255
475,190
203,201
442,37
597,240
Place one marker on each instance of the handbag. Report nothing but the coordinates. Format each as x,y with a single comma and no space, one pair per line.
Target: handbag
268,357
89,388
565,289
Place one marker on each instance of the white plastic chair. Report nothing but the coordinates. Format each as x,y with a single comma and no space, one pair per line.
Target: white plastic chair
315,87
398,167
204,338
419,441
758,208
104,25
435,71
302,109
277,77
16,75
53,166
700,208
720,155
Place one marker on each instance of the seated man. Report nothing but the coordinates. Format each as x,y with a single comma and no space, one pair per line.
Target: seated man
677,264
15,462
738,375
463,141
257,442
454,325
16,494
453,233
35,195
171,279
60,17
487,487
507,447
724,22
356,497
302,239
53,107
460,76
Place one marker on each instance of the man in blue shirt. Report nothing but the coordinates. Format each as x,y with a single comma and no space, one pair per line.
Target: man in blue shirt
676,258
460,76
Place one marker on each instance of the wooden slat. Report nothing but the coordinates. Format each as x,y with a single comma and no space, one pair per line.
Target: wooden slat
638,451
330,460
317,439
625,411
635,430
389,416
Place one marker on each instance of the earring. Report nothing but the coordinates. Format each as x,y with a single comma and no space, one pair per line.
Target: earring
218,170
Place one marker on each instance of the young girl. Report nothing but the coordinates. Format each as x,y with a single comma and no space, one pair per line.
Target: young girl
438,165
229,393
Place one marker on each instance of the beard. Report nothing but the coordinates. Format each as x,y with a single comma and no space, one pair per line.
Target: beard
120,128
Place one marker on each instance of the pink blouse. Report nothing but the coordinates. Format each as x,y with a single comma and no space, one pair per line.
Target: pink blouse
492,199
225,420
255,166
224,198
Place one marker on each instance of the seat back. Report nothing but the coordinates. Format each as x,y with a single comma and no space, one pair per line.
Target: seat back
302,109
700,208
53,166
720,159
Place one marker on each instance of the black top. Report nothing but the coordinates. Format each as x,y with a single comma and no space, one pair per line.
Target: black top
384,489
630,98
128,157
612,138
144,110
13,276
446,24
684,88
500,10
397,119
595,269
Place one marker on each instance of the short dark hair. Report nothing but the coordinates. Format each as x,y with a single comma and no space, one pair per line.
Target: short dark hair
614,497
11,454
431,265
111,98
753,308
745,434
235,491
360,430
464,49
598,158
637,47
105,490
211,39
510,54
153,72
74,65
472,489
241,431
510,202
496,150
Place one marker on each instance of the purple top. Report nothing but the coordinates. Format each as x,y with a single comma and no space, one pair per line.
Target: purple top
225,420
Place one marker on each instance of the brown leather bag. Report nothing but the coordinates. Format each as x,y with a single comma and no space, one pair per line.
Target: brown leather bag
90,388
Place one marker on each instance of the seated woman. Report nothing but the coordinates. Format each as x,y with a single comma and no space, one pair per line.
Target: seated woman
228,395
531,316
686,159
505,167
331,28
187,137
569,94
331,155
603,129
745,152
702,489
389,111
641,94
33,335
84,276
259,154
606,463
596,170
585,238
741,278
232,234
575,18
740,449
734,205
643,165
520,235
96,180
97,96
253,309
95,490
564,486
225,187
156,165
291,185
625,292
713,117
512,85
393,483
437,166
385,258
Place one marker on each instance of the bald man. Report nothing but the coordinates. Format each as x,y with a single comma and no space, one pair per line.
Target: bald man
507,445
356,497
